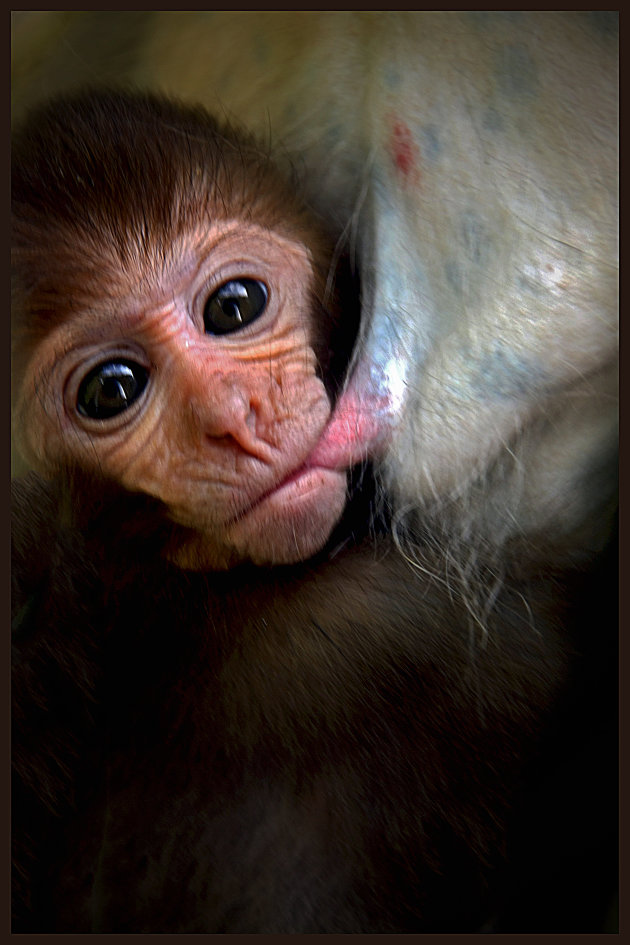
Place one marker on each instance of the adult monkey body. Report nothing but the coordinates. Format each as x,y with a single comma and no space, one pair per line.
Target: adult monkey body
317,765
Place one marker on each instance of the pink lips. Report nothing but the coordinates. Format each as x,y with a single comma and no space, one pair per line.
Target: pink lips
358,430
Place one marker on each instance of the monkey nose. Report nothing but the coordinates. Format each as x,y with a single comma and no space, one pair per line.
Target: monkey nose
228,412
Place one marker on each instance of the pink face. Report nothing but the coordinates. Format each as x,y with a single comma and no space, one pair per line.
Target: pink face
205,395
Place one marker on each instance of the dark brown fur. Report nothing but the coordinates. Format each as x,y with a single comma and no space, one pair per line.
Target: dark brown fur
316,749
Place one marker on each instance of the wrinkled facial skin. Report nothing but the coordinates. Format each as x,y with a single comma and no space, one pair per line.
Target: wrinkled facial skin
223,429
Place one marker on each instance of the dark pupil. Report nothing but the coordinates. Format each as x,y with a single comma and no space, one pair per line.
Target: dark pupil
110,388
233,306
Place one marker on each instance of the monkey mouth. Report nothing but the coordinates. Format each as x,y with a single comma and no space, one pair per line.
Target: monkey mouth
324,460
292,520
301,481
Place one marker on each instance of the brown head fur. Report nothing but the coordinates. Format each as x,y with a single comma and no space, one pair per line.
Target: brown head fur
105,183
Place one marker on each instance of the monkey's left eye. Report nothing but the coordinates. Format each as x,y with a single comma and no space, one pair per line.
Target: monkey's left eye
110,388
235,305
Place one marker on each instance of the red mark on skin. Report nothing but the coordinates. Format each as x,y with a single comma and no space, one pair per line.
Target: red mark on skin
404,151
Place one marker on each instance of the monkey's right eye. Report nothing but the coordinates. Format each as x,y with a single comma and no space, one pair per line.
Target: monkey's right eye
110,388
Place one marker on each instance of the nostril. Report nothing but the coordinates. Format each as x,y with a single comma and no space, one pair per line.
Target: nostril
225,411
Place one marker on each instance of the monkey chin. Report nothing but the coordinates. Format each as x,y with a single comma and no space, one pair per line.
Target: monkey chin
285,526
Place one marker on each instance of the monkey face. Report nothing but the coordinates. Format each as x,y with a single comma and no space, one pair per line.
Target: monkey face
200,389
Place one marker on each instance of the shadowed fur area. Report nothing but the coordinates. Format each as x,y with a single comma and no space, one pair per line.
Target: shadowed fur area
332,751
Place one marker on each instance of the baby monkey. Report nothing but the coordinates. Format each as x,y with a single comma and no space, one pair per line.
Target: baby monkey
173,332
